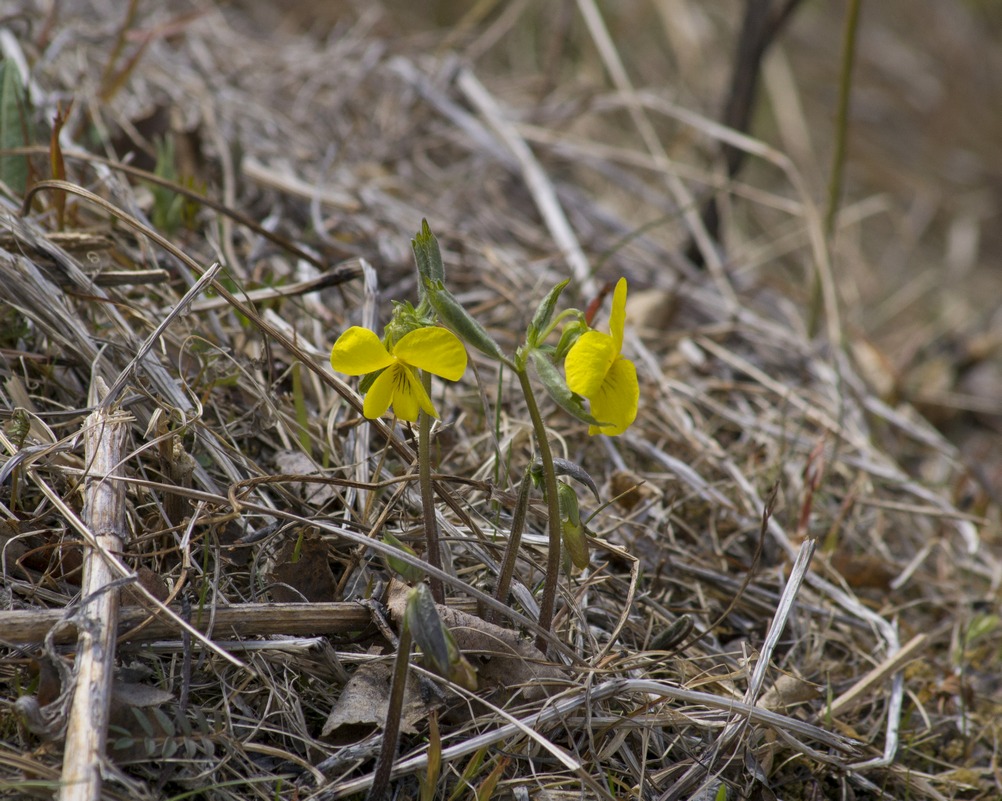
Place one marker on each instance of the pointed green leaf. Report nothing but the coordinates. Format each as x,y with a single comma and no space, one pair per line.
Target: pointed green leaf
565,467
428,256
544,313
556,388
15,126
452,314
427,629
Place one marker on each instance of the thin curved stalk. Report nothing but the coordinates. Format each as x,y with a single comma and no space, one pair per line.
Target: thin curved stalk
434,555
548,602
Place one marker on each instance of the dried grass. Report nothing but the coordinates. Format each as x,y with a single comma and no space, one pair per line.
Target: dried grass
704,646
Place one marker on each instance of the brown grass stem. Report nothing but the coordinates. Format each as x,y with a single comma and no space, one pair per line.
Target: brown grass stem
391,730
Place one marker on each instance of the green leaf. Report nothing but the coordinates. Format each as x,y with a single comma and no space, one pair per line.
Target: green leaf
451,312
405,570
428,256
15,127
556,388
544,313
565,467
574,534
427,628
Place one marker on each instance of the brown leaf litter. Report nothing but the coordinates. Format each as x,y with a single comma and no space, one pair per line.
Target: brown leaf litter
702,648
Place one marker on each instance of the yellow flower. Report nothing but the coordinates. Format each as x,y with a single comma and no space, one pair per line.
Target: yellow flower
596,371
436,350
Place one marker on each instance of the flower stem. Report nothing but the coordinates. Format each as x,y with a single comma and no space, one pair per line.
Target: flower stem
434,553
553,506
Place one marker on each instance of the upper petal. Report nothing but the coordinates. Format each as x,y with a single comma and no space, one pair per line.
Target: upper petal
436,350
617,319
588,361
359,351
615,404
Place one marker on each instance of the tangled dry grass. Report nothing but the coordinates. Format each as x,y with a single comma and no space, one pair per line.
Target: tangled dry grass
793,583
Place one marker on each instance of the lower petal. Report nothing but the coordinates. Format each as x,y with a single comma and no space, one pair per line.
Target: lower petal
615,404
380,394
409,396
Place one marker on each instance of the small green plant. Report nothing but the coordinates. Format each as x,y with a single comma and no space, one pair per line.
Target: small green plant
429,340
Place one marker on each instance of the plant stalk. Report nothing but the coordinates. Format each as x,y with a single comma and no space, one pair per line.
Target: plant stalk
548,602
434,553
514,540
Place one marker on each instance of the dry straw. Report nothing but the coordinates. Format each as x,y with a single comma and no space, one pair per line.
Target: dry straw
718,645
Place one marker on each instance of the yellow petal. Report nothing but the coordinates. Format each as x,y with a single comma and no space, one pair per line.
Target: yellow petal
436,350
588,361
617,320
409,396
615,404
380,394
359,351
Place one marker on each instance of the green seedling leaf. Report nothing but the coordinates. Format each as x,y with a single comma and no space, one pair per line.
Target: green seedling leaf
405,570
565,467
574,535
556,388
436,642
428,257
427,629
451,312
544,313
15,126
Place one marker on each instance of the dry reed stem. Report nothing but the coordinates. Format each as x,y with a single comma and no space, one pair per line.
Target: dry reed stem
105,436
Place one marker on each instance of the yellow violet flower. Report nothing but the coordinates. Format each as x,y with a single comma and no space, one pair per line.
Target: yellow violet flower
596,370
436,350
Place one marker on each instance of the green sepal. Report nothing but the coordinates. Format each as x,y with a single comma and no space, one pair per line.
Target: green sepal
571,333
428,257
367,381
452,314
405,570
556,388
544,313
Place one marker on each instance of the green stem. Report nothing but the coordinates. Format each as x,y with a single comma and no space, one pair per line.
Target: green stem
434,555
394,710
553,505
514,540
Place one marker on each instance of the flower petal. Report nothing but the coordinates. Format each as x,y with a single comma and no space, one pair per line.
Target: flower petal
380,394
588,361
359,351
436,350
617,319
409,396
615,404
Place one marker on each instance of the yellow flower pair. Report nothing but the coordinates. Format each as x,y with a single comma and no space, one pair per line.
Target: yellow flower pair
595,369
